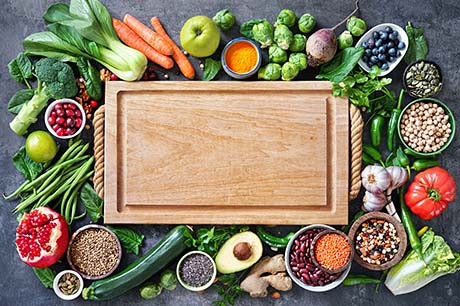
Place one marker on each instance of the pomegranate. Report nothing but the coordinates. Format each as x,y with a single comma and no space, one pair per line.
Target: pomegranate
42,237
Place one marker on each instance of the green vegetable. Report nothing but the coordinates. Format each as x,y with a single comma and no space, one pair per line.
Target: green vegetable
289,71
346,228
356,26
345,40
406,220
298,43
283,36
28,168
373,153
211,69
168,280
246,27
422,164
277,55
263,33
402,158
414,154
19,99
85,29
353,280
392,160
341,66
228,289
55,80
418,45
413,272
270,72
150,290
92,202
224,19
161,255
130,240
92,78
306,23
299,59
376,129
21,69
271,240
367,160
393,123
46,276
285,17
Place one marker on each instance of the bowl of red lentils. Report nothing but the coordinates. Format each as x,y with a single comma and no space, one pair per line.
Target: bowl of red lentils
379,241
332,251
301,266
426,126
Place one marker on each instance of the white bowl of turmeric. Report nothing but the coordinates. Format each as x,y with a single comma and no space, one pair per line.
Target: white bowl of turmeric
241,58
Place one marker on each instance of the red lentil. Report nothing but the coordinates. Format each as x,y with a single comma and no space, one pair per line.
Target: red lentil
332,251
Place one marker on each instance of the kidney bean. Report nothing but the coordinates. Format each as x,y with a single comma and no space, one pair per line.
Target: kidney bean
301,265
295,269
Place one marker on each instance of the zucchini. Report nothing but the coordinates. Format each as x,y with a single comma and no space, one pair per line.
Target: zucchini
161,255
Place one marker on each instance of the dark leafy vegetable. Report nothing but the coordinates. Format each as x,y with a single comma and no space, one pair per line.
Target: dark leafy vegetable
46,276
341,65
19,99
29,169
92,78
130,240
246,27
228,289
92,202
418,45
211,69
21,69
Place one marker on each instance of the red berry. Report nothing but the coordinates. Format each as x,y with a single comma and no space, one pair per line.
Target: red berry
53,114
65,105
69,113
93,103
77,113
60,132
56,127
60,120
78,122
69,131
70,122
72,106
113,77
60,112
51,120
58,106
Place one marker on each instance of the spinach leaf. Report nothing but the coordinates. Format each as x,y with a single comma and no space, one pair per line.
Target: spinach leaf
19,99
21,68
46,276
29,169
418,45
211,69
129,239
246,27
48,44
92,202
342,64
92,79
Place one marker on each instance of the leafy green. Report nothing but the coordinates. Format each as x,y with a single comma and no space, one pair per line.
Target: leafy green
92,202
21,69
413,272
29,169
246,27
150,290
228,288
92,78
129,239
209,240
418,45
46,276
19,99
341,65
211,69
168,280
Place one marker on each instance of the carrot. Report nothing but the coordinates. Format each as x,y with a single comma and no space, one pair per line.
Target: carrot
133,40
156,41
179,57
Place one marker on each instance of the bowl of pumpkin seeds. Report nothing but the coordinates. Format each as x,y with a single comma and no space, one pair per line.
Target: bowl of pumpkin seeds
422,79
68,285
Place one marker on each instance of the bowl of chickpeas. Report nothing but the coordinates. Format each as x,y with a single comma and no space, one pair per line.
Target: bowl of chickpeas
426,127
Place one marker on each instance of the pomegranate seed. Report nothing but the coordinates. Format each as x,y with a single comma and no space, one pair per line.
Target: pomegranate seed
77,113
60,112
51,120
113,77
60,120
70,122
93,103
58,106
56,127
69,113
60,131
78,122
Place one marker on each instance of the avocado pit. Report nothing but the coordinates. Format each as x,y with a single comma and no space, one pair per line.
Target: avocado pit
242,251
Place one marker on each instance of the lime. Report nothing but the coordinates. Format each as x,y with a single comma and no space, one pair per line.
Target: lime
41,147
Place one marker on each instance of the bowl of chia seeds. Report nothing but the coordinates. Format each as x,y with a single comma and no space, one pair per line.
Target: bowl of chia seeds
422,79
196,271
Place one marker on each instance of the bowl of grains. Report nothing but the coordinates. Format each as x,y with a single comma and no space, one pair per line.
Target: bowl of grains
68,285
379,241
301,266
332,251
94,251
196,271
426,126
422,79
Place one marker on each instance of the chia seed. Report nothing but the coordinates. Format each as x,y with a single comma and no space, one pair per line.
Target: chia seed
196,270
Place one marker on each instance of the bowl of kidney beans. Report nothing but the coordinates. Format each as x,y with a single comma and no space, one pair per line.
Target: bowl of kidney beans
384,46
301,267
65,118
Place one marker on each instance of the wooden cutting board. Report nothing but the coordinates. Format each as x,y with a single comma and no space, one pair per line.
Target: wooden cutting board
225,153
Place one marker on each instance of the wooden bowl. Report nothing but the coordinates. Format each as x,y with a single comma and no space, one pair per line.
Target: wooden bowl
399,230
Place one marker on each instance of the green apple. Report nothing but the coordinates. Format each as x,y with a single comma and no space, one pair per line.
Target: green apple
200,36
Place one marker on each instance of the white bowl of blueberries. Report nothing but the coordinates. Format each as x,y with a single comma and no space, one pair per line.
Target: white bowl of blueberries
384,45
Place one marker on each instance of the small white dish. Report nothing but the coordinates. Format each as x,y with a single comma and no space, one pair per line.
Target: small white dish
402,37
58,291
50,108
205,286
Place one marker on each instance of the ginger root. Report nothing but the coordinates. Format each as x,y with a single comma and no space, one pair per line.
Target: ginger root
269,271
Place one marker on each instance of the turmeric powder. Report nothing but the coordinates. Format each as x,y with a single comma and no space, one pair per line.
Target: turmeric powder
241,57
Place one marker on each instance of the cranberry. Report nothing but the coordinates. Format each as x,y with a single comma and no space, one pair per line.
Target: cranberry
70,122
53,114
56,127
77,113
51,120
65,105
69,131
60,120
78,122
93,103
69,113
60,131
113,77
58,106
72,106
59,112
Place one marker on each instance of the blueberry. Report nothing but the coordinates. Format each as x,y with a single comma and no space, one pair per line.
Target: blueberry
392,59
401,45
390,45
393,36
382,57
378,43
371,43
365,45
365,59
374,59
376,35
375,51
368,52
384,36
392,52
385,66
380,64
398,54
382,49
389,30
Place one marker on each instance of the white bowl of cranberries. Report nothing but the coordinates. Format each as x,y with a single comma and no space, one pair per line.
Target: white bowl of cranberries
65,118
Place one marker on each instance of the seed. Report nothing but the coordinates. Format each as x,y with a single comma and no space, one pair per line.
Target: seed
196,270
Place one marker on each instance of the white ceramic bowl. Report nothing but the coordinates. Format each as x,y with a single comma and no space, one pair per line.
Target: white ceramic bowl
58,291
402,37
50,108
205,286
237,75
327,287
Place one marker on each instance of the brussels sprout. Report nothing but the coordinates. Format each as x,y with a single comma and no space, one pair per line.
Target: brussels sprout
276,54
168,280
345,40
150,290
299,59
306,23
356,26
298,43
286,17
224,19
289,71
283,36
263,33
270,72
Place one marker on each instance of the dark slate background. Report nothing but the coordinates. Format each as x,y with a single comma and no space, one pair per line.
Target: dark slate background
441,20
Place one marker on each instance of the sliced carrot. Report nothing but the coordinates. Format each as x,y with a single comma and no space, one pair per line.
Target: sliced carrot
133,40
179,57
156,41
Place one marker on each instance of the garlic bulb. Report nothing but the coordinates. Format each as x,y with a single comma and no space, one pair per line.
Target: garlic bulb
398,177
374,201
375,179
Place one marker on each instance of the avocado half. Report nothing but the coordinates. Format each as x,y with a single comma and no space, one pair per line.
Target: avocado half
239,252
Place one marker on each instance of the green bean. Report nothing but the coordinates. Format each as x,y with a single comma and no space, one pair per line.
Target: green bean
69,150
71,204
